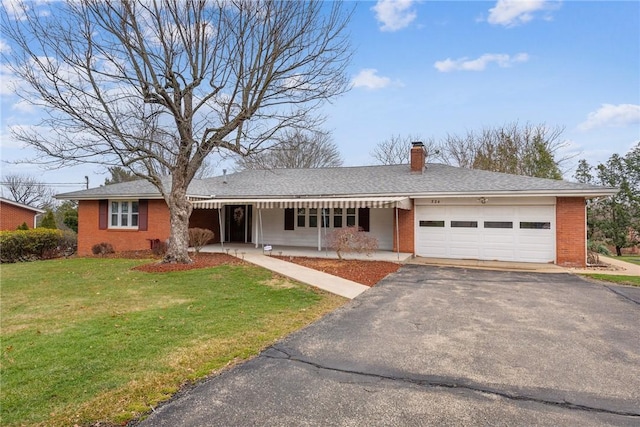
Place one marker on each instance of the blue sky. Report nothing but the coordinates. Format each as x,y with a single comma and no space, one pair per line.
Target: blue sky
427,68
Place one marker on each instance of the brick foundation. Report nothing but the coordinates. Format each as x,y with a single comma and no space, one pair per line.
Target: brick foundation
571,233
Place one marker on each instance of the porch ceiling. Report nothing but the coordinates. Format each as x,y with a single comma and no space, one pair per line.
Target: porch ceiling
333,202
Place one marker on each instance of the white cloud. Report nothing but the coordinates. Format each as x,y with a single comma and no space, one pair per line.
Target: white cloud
369,79
23,106
394,15
609,115
4,47
465,64
515,12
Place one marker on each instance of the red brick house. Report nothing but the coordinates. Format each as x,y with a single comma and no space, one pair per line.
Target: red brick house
426,209
13,214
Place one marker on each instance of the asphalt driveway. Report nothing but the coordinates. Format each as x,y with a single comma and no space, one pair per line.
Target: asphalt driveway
442,346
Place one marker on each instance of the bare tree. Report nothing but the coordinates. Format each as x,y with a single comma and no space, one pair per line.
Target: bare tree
28,191
395,150
152,83
512,148
298,149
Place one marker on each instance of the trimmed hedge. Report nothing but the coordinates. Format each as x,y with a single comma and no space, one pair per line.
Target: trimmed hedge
30,245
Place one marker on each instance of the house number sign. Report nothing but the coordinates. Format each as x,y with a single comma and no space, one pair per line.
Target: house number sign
435,201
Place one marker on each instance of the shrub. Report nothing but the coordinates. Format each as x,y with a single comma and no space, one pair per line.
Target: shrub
351,239
23,226
48,221
102,248
68,243
198,237
598,247
29,245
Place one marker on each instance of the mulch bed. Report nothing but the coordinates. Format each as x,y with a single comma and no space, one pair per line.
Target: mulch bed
365,272
202,260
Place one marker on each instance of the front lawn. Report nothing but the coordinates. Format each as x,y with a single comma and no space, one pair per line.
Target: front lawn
621,280
87,340
634,259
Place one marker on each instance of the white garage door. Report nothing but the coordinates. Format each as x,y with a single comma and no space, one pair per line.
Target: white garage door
505,233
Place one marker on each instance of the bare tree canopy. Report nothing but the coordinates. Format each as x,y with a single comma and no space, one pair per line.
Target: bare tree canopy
298,149
513,148
395,150
28,191
160,84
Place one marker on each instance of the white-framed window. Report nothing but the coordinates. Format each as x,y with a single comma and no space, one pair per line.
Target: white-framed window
123,214
326,217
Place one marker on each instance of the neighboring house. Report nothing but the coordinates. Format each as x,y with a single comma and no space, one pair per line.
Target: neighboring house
13,214
430,210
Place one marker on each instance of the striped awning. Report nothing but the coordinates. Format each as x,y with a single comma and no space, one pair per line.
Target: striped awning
342,202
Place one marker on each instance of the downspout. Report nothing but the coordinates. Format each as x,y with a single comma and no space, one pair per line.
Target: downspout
397,233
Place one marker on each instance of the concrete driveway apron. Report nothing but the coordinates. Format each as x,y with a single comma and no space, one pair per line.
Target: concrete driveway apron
442,346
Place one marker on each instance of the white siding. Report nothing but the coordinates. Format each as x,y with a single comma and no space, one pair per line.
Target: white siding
381,227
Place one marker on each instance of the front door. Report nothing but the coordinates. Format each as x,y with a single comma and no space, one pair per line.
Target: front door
238,223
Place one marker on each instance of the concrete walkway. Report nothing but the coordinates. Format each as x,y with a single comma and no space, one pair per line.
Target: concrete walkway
336,285
327,282
621,268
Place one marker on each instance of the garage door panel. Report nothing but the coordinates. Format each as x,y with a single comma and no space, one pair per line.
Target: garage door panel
502,239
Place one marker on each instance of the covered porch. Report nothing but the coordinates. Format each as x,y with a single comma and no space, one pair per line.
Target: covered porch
301,226
240,249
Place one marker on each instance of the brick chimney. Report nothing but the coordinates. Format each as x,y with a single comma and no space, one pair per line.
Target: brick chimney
418,157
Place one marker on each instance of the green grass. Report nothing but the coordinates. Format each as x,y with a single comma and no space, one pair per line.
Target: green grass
621,280
88,340
634,259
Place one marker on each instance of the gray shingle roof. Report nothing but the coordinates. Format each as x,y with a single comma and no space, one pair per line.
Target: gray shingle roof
437,179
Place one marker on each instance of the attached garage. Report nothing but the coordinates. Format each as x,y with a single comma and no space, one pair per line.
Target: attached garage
487,229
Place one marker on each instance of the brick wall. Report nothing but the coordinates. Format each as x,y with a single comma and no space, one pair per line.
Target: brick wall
122,240
571,234
406,230
11,217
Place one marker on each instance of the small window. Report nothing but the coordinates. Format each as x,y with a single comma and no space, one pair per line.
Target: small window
302,217
337,218
124,214
464,224
351,217
431,223
313,217
535,225
498,224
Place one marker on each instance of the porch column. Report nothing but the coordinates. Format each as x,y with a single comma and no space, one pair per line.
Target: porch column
221,228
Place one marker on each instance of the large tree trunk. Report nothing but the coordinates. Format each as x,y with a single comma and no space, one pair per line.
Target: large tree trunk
618,250
180,211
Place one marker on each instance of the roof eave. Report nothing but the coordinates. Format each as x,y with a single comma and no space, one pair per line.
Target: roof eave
525,193
108,196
